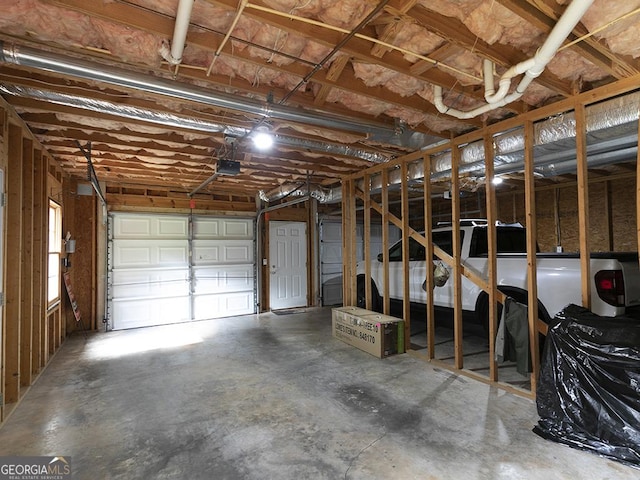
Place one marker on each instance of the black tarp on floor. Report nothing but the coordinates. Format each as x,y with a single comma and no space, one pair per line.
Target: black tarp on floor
588,394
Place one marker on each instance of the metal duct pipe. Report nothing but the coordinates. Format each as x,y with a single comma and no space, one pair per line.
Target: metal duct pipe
611,113
597,160
52,62
323,195
178,121
619,115
531,68
334,195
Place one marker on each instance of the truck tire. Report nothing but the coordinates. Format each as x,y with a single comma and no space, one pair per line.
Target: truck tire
361,301
520,296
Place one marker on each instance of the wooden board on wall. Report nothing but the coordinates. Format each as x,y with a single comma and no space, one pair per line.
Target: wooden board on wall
39,272
26,309
13,267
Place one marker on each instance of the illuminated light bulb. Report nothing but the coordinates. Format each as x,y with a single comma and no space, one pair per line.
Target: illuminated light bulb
263,139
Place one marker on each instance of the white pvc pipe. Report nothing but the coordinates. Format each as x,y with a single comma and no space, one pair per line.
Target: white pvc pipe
532,67
487,74
183,18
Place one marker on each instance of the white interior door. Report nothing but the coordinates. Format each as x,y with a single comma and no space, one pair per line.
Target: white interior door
287,264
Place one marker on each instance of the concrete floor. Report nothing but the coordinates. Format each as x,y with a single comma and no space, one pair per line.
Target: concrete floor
276,397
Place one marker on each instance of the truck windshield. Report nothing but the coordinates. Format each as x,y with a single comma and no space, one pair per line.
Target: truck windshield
508,240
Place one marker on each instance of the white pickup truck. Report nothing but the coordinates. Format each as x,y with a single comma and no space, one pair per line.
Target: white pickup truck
615,277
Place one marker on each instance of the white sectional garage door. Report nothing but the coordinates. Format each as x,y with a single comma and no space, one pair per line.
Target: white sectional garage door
331,254
223,267
162,271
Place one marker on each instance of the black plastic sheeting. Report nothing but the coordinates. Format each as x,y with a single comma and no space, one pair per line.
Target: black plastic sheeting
588,394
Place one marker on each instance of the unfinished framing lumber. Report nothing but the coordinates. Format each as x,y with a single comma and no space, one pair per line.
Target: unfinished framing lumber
367,241
607,215
385,240
532,281
406,286
583,204
353,245
492,217
638,194
40,206
457,270
4,136
430,312
527,119
348,290
26,297
13,264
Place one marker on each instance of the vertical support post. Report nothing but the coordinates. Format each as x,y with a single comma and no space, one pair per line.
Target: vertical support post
191,280
314,252
347,298
385,240
40,210
26,300
457,270
430,313
4,135
492,217
13,267
583,204
353,244
607,215
556,215
532,282
406,281
638,194
367,240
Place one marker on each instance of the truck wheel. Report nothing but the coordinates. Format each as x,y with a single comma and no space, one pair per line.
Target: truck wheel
361,300
482,311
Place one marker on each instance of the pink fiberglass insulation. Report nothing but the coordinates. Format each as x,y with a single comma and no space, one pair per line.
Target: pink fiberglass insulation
621,36
30,16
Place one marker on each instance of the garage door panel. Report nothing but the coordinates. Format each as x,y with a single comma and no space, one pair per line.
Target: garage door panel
329,269
223,279
146,312
150,226
331,254
212,228
223,305
132,255
173,227
210,252
150,253
150,283
173,255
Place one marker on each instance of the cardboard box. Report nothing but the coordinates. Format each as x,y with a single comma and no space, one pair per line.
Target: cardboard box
377,334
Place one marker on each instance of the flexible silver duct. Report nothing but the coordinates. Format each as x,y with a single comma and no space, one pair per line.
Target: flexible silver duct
52,62
509,145
170,120
611,126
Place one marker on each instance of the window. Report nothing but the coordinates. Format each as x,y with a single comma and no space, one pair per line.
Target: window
55,249
508,240
442,239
